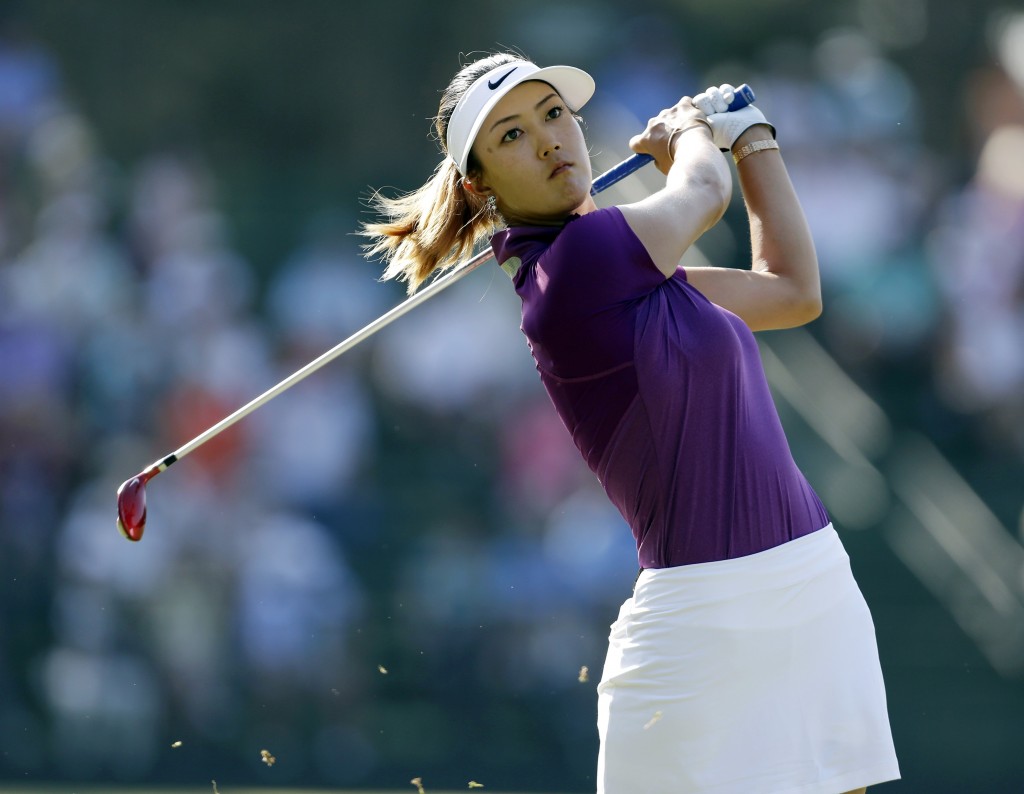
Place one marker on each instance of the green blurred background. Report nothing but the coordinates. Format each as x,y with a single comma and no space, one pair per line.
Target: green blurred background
398,569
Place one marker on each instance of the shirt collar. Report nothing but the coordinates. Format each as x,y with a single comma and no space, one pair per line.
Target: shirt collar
523,245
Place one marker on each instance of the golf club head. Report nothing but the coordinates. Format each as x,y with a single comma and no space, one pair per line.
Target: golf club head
131,508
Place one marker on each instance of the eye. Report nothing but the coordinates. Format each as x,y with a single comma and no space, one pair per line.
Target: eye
511,135
556,112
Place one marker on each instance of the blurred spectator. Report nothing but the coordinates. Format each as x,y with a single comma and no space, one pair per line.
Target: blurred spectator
468,332
849,119
314,442
977,252
29,83
325,290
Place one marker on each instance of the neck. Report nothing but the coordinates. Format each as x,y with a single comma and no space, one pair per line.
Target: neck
587,206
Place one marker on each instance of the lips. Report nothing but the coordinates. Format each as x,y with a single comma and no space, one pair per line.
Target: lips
559,169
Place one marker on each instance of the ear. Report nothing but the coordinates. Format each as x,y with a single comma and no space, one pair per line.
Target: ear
474,183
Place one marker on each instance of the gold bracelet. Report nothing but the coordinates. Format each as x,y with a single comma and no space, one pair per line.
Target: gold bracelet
696,123
756,146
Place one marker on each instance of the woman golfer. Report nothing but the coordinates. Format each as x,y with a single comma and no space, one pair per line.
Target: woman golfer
745,661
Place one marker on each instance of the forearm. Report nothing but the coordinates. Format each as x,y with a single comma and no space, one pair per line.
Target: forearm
781,242
697,188
698,168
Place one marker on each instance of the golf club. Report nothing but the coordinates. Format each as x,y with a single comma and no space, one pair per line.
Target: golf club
131,496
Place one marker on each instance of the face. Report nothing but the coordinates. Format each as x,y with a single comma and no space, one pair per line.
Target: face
533,157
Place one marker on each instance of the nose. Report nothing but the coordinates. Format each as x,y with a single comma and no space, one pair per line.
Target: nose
548,145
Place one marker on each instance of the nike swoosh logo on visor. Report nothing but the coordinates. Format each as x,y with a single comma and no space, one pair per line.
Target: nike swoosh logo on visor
493,85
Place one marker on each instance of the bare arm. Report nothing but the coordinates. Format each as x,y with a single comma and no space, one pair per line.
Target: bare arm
782,288
696,192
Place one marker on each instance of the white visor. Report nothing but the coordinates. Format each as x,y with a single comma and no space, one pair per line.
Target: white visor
574,86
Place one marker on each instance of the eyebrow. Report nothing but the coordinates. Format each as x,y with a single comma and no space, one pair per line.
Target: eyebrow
516,115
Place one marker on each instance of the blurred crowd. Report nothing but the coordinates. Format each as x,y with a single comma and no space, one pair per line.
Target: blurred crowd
408,534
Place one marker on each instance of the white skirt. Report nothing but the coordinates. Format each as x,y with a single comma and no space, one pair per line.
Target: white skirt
757,675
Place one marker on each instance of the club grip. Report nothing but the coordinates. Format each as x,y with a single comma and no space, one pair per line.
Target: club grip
743,96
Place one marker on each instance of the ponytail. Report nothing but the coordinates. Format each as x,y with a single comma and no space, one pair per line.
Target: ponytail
434,228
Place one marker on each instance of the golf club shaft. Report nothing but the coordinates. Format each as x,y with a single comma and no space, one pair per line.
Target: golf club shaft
744,96
359,336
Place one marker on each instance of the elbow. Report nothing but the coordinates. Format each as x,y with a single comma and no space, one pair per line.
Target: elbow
722,188
793,313
810,296
811,311
717,193
807,305
723,198
798,302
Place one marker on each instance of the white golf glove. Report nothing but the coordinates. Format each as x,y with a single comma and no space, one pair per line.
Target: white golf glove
726,125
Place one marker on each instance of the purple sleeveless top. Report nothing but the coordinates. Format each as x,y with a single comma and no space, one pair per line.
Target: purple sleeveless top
662,391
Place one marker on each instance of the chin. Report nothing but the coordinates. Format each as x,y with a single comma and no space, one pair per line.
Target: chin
581,201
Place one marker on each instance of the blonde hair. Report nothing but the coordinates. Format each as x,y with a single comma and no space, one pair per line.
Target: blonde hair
436,227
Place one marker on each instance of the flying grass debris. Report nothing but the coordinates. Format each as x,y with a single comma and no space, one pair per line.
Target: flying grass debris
383,669
215,787
474,784
268,759
418,783
176,744
584,674
652,720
